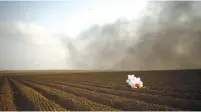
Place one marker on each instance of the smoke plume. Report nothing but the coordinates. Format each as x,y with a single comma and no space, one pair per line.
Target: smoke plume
167,36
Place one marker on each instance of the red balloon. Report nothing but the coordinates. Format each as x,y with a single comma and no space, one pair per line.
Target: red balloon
137,85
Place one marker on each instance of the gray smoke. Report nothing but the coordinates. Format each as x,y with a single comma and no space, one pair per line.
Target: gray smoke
168,36
24,47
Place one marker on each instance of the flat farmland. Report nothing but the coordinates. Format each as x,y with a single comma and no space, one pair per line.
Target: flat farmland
99,90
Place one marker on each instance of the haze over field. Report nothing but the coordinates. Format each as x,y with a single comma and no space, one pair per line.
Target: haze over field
115,34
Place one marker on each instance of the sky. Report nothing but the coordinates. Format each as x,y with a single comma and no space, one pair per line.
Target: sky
99,34
71,16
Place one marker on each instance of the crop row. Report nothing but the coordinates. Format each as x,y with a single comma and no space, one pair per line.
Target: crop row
138,94
169,85
36,100
67,100
6,97
159,90
177,87
158,99
182,92
109,99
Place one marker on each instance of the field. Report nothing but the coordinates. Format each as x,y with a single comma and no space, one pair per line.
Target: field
99,90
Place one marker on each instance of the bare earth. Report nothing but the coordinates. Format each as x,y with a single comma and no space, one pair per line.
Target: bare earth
99,90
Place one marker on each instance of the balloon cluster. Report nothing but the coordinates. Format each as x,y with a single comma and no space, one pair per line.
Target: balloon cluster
134,82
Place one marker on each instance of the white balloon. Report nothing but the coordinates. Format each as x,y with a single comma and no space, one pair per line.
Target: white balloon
132,81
